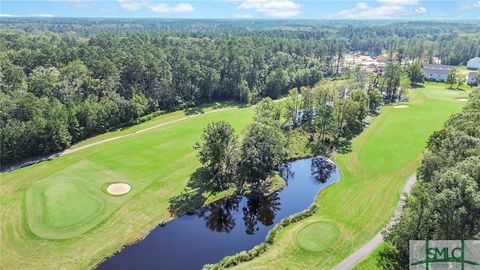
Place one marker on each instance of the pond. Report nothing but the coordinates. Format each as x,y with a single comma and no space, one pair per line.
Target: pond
227,226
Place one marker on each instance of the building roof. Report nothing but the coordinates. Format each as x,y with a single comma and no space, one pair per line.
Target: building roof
435,66
437,69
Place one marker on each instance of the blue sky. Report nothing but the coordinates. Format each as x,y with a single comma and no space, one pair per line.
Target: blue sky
296,9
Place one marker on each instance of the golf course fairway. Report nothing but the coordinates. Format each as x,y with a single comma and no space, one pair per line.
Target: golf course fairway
373,174
57,214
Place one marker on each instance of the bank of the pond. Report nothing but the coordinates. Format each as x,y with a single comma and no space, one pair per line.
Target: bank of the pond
229,225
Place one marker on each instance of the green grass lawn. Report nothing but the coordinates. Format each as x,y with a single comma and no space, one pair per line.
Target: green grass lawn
57,214
383,156
369,263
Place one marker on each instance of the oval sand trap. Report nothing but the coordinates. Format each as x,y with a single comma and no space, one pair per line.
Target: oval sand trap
317,236
118,188
462,99
401,106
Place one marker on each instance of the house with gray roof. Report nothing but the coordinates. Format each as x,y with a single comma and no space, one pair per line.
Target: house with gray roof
437,73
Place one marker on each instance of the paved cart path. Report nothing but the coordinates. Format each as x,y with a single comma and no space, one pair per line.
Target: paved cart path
369,247
75,149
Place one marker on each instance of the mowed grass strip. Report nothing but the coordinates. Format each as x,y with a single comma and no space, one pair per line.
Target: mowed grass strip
382,157
65,198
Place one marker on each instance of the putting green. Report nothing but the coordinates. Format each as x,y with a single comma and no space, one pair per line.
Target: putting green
317,236
71,201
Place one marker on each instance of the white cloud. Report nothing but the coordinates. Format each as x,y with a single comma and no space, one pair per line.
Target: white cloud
158,8
384,10
362,6
472,5
42,15
398,2
421,10
132,5
31,15
179,8
271,8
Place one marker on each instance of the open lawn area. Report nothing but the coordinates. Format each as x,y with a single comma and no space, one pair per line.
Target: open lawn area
373,174
58,214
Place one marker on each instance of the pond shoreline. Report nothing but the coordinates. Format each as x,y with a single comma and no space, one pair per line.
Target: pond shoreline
235,234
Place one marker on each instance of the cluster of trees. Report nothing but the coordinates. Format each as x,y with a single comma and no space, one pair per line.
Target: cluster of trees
455,77
415,74
262,148
329,115
445,202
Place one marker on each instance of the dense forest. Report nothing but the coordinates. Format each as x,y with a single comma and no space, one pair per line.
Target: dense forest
64,80
445,202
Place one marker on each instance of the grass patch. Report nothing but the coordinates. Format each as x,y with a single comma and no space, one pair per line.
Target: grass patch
369,263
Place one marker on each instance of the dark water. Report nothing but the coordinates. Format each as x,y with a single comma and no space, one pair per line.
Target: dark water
227,226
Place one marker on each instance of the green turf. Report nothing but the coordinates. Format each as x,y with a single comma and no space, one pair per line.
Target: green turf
73,200
369,263
373,174
57,214
316,236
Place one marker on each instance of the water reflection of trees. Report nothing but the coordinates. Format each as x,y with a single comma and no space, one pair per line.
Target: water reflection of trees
322,169
218,215
285,170
260,209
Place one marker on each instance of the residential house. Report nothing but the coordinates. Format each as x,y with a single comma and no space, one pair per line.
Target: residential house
437,73
472,78
474,63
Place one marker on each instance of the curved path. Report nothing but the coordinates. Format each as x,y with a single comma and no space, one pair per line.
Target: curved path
365,250
73,150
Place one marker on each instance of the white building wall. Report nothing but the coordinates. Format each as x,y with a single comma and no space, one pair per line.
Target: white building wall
436,77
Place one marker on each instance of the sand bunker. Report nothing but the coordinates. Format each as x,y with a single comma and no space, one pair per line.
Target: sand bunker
118,188
400,106
462,99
